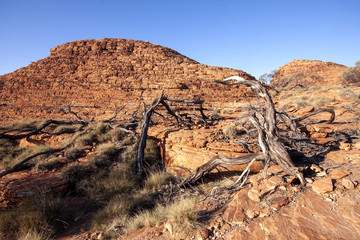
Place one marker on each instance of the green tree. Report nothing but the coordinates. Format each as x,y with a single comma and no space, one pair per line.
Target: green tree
267,77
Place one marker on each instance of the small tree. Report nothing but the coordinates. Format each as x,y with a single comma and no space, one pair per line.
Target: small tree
267,77
357,63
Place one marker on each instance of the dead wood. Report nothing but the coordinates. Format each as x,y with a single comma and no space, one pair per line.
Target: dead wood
331,119
20,164
146,122
140,154
39,129
218,160
272,150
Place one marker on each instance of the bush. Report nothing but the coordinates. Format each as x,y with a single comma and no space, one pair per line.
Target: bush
61,129
157,179
74,153
352,75
47,165
74,173
181,214
230,130
25,124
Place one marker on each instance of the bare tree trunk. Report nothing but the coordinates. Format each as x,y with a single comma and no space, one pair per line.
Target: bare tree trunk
140,154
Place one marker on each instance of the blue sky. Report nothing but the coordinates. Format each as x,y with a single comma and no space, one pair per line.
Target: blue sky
256,36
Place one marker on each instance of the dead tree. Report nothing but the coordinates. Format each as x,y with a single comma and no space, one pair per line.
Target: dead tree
271,148
140,153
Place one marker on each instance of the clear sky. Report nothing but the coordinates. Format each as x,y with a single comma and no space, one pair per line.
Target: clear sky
256,36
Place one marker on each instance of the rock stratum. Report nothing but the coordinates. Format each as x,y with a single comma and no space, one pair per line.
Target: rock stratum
103,73
308,72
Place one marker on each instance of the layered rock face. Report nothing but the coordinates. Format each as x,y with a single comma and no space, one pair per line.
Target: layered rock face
307,73
105,72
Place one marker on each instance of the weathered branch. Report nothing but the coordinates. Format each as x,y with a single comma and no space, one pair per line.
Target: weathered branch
140,154
268,137
331,119
20,164
39,129
206,168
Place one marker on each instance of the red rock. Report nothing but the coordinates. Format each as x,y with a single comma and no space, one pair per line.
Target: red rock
345,146
340,111
254,195
347,183
318,135
338,156
313,73
105,72
338,174
278,201
323,185
252,214
305,110
316,168
356,146
311,217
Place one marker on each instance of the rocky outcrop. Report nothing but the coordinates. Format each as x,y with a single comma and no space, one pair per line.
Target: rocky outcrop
307,73
98,74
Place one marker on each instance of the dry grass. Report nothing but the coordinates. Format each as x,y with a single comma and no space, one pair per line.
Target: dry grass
37,218
181,214
230,130
13,155
47,164
24,124
67,129
157,179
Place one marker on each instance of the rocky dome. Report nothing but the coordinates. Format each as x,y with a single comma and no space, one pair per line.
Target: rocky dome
308,72
106,72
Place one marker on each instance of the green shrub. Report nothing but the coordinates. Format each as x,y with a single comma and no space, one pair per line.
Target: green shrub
351,75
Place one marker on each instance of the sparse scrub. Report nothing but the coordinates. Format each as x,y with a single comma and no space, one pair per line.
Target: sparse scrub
230,130
351,75
102,188
316,77
34,235
61,129
74,153
349,94
181,214
285,107
40,217
16,154
24,124
74,173
107,154
47,165
114,135
318,102
157,179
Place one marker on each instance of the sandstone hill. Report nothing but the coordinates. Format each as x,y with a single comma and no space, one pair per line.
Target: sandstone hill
308,72
105,72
